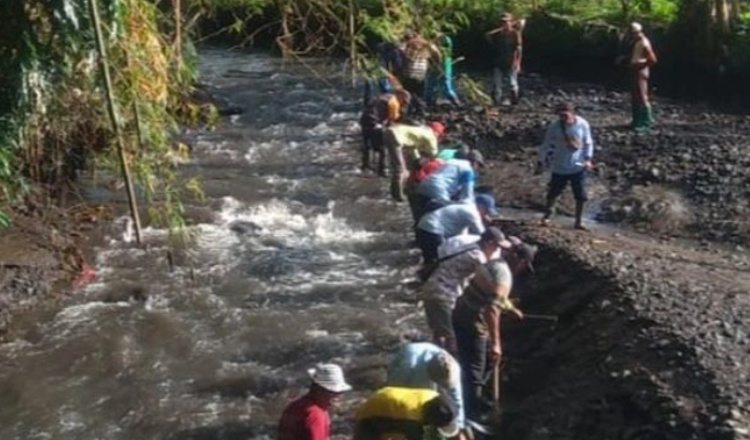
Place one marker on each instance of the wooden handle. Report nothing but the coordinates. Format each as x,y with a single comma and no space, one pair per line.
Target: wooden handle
496,388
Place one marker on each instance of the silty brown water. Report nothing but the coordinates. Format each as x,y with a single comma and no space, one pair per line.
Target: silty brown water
299,259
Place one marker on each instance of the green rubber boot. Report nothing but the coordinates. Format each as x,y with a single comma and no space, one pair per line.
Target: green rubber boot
642,124
648,115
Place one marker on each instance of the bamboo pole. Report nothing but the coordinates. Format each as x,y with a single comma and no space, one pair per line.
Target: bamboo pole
352,44
177,6
115,122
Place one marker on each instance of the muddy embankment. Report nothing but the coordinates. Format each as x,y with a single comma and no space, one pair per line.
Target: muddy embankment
652,342
41,258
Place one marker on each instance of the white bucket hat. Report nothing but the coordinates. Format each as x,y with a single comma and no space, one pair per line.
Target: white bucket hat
329,377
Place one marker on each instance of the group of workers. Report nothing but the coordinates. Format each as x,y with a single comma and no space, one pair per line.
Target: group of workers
425,69
434,389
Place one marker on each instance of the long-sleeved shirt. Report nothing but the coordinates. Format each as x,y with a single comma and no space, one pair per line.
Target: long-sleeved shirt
454,181
567,153
409,369
452,220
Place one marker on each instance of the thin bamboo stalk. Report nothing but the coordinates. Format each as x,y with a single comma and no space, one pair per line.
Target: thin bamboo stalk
177,6
352,43
111,108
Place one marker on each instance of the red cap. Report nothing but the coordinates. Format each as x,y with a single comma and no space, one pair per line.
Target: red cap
438,128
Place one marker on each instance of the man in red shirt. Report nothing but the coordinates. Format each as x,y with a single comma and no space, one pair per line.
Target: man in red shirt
420,170
307,417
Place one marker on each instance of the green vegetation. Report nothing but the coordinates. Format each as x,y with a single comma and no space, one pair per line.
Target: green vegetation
705,36
53,118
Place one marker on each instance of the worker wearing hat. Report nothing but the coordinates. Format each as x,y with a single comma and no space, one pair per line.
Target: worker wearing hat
476,317
307,417
406,413
448,281
567,151
506,44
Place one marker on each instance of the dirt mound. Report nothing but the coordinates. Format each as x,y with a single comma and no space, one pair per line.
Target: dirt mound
650,344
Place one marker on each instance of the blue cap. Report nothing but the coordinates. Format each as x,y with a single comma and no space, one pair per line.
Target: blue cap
487,202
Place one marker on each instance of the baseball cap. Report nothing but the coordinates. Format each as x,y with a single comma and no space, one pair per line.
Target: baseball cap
329,377
487,202
438,128
524,250
441,412
494,234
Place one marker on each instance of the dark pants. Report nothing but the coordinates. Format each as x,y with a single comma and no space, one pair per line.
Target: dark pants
429,243
411,195
372,140
577,181
472,355
416,88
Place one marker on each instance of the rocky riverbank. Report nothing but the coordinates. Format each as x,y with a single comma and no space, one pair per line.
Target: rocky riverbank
687,178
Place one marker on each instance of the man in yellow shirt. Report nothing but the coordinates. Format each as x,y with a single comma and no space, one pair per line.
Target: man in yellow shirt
406,144
406,414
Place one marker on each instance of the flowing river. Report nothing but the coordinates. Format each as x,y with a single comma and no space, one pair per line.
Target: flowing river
299,259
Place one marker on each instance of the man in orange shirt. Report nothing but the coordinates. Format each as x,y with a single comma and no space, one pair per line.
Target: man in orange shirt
378,115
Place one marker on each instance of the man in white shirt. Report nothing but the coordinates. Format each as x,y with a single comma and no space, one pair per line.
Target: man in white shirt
451,220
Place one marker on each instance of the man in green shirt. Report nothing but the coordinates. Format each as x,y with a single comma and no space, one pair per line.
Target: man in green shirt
476,317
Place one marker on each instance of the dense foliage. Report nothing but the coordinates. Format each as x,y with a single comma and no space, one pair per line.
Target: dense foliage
53,118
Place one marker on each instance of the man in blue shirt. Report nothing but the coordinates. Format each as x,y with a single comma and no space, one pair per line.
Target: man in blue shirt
451,220
567,152
453,182
425,365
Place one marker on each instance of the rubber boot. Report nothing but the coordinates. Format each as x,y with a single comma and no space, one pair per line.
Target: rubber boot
579,216
648,115
634,116
641,120
514,97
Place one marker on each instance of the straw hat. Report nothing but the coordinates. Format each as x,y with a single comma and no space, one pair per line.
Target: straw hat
329,377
